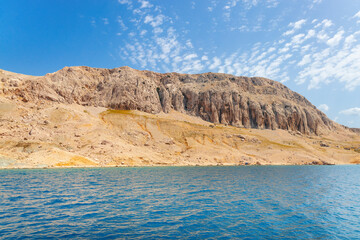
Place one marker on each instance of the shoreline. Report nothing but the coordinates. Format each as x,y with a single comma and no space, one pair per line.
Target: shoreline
179,166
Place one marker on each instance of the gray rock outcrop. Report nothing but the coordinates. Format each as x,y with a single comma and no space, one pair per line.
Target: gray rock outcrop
219,98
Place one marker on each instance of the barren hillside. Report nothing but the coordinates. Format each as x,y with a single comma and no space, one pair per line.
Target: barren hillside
82,116
214,97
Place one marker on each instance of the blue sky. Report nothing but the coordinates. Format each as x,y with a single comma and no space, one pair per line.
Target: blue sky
312,46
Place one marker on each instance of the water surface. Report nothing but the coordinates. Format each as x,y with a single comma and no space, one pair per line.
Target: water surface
248,202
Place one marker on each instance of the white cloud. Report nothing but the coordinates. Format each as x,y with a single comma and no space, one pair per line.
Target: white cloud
231,4
124,1
357,15
336,39
106,21
168,43
298,39
322,36
311,33
145,4
351,111
327,66
319,55
204,58
189,44
242,7
314,2
295,26
216,63
190,56
305,60
284,50
349,40
121,23
325,23
312,53
160,48
154,21
272,3
298,24
323,107
305,48
228,7
158,30
289,32
271,49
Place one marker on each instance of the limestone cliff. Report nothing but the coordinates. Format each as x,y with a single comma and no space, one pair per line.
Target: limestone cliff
64,119
219,98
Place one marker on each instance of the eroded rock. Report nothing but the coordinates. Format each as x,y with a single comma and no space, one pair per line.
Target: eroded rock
215,97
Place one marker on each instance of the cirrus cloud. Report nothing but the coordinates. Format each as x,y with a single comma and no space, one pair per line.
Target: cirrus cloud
351,111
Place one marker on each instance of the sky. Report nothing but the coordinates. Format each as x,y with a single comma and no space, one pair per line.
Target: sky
311,46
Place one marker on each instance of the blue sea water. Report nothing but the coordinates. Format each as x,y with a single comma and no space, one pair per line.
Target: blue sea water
245,202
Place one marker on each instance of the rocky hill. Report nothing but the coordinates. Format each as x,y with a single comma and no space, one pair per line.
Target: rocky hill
218,98
86,117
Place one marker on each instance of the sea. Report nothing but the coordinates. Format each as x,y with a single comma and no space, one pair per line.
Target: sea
239,202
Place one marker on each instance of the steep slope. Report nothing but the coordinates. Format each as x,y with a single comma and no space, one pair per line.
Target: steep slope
217,98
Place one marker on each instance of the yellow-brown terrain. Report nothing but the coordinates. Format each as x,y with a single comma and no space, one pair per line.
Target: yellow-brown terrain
37,134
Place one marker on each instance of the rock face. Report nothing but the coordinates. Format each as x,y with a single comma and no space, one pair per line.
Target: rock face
219,98
355,130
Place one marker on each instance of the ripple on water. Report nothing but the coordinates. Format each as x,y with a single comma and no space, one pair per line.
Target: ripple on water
292,202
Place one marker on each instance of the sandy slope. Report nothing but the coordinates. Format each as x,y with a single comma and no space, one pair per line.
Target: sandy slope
59,135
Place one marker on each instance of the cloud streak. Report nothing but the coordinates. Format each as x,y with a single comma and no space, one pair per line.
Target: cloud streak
351,111
318,54
155,44
310,51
